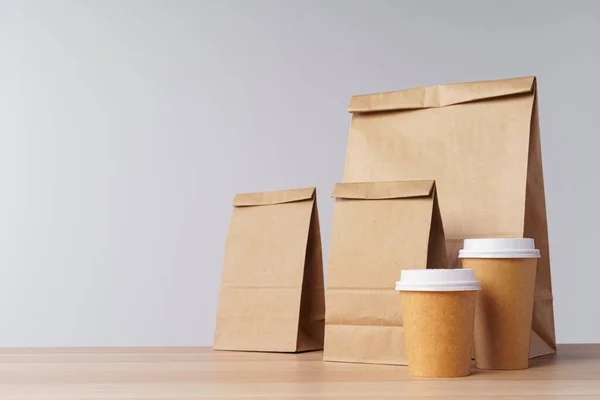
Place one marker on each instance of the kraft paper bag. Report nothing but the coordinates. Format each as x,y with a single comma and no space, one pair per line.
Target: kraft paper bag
379,229
272,292
480,141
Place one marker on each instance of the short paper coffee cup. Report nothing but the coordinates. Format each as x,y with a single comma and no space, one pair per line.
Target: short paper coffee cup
438,312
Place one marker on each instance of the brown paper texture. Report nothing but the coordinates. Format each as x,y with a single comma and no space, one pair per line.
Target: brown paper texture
480,141
272,291
504,310
379,229
439,332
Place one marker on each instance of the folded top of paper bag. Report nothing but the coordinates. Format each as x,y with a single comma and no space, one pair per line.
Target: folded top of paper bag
440,95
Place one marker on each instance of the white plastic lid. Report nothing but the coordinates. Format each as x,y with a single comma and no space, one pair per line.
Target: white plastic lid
437,280
499,248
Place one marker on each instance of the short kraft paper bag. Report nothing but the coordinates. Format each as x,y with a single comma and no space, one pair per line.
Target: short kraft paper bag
379,229
272,294
480,141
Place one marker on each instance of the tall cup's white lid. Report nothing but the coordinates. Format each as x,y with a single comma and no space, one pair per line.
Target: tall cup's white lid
437,280
499,248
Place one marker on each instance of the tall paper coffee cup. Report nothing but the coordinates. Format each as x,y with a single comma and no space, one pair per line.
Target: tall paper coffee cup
506,269
438,310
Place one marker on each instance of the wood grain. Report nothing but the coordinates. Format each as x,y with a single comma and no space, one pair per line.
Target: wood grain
200,373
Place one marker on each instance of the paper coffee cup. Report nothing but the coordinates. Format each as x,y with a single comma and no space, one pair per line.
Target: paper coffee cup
506,269
438,310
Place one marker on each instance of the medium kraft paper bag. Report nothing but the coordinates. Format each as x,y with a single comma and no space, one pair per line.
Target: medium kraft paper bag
272,294
480,141
379,229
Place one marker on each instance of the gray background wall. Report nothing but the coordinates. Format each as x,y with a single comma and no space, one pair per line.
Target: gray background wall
126,127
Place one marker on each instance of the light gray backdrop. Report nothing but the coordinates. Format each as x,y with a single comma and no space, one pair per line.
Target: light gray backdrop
126,128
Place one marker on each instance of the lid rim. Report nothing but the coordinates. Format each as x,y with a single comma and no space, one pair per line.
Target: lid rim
499,248
437,280
468,253
428,287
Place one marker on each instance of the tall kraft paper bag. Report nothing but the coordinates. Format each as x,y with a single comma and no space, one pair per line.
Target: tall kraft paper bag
272,294
480,141
379,229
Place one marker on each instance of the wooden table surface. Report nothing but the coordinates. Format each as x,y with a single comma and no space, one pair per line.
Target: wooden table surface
200,373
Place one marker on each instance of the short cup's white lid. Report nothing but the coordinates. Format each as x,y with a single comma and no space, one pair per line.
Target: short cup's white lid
499,248
437,280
